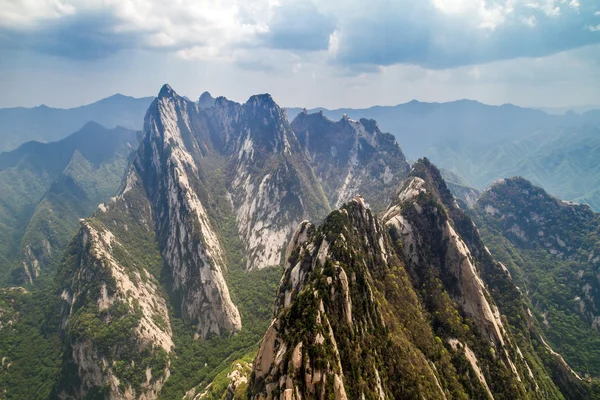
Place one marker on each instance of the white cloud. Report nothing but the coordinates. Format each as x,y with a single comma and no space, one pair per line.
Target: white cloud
334,43
27,12
594,28
549,7
207,27
475,73
529,21
432,33
488,15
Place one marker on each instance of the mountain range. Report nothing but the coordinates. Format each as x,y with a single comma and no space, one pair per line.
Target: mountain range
45,124
482,143
47,187
381,283
479,143
461,124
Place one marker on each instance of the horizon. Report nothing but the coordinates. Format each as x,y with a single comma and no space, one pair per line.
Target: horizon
559,110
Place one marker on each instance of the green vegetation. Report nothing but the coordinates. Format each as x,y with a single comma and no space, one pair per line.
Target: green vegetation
29,344
196,362
550,257
217,390
563,161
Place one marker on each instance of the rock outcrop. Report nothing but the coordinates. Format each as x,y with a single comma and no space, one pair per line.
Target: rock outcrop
116,322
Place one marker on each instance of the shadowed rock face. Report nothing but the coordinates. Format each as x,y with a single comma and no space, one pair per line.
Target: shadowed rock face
408,304
352,157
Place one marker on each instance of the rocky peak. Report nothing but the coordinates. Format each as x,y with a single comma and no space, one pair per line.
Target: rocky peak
166,91
269,126
206,100
263,105
168,164
350,324
262,101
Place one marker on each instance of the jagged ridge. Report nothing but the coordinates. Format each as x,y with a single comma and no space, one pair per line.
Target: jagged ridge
427,295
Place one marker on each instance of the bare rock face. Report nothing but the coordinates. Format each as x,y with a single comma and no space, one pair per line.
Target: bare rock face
115,316
196,170
189,242
273,185
352,157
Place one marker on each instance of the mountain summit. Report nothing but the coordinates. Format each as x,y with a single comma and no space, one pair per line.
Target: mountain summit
408,305
211,188
203,183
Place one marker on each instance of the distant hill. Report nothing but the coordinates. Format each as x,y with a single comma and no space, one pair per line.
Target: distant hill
45,124
47,187
564,161
420,126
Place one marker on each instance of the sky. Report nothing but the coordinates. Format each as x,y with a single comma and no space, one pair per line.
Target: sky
331,53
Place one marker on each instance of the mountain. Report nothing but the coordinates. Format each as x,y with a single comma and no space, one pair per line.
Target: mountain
351,157
206,100
552,249
572,109
166,290
45,124
210,201
46,187
465,195
206,187
407,305
463,125
562,161
482,143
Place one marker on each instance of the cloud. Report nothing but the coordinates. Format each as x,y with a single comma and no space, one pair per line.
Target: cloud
356,35
95,28
298,25
87,36
447,34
